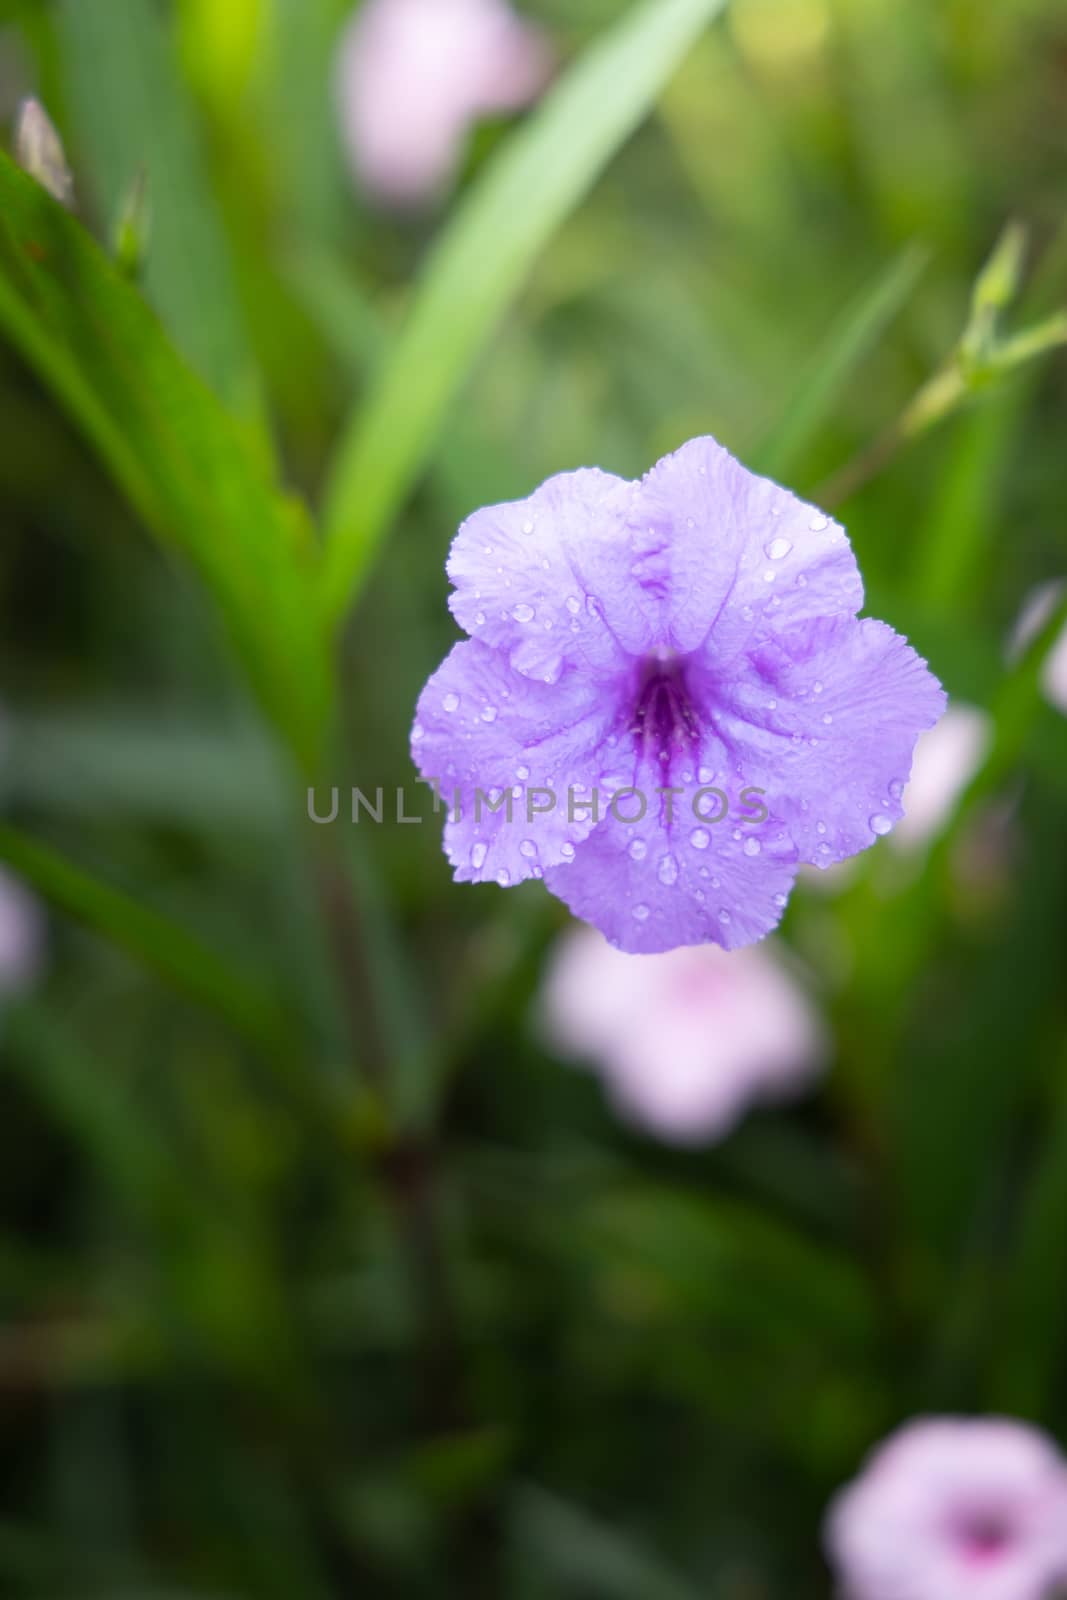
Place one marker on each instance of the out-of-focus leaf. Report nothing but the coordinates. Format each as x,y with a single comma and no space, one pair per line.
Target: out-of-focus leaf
588,1555
159,944
480,264
130,114
170,446
852,337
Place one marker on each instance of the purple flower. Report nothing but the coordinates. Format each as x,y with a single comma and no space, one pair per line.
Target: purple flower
694,632
685,1041
952,1509
414,75
21,935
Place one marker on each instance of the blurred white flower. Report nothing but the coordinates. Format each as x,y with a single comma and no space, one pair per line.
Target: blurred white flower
1037,609
684,1041
21,935
954,1509
414,75
947,757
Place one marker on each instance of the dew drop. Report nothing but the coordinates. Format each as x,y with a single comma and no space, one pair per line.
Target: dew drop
523,613
896,789
418,733
523,773
705,774
527,527
819,524
802,582
451,702
528,849
503,877
592,605
780,900
725,918
489,714
566,850
667,872
641,913
768,576
479,620
751,847
816,687
778,549
880,823
638,850
574,605
828,719
772,705
478,855
820,827
700,838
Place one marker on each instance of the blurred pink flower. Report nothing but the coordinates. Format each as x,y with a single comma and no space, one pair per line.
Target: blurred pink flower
1036,611
414,75
954,1509
947,757
687,1040
21,935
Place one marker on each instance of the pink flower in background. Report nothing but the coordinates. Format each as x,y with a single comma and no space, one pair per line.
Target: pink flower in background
414,75
954,1509
21,935
1035,613
947,757
685,1041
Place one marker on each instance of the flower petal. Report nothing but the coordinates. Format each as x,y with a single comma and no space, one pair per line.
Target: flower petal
732,557
547,579
826,720
489,738
675,879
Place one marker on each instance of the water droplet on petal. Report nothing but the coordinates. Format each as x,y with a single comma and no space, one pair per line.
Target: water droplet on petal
896,789
640,913
881,824
522,772
751,847
479,620
489,714
503,877
768,576
820,827
725,918
780,900
523,613
451,702
574,605
705,774
778,549
819,523
592,605
700,838
528,849
478,855
827,719
638,850
418,733
527,527
566,850
816,687
667,872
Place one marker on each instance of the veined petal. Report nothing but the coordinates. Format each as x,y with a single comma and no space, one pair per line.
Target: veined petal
547,580
826,720
490,738
677,879
732,557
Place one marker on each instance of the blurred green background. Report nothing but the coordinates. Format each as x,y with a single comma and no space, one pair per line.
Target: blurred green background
318,1274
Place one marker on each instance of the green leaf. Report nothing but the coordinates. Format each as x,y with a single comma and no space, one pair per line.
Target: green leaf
161,945
587,1555
849,341
131,115
171,447
479,266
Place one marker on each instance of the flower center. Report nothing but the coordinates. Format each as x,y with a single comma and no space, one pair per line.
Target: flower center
664,719
984,1536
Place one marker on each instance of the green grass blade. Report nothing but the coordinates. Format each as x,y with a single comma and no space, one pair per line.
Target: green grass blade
129,111
171,447
850,340
153,940
479,266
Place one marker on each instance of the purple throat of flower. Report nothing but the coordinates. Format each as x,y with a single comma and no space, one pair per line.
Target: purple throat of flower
697,627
